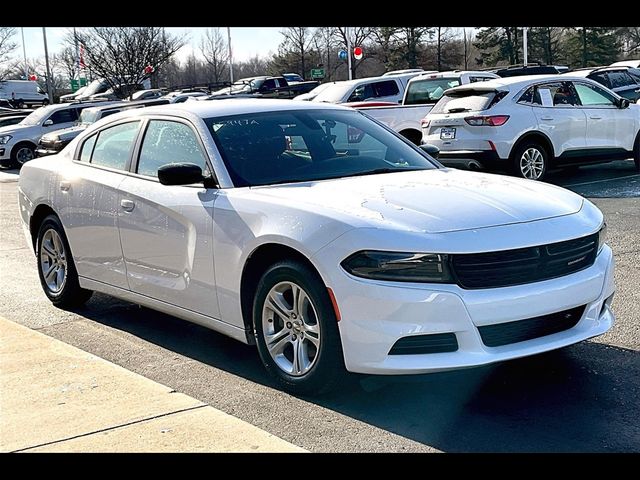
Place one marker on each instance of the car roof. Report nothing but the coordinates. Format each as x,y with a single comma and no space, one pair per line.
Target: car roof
518,82
452,73
222,108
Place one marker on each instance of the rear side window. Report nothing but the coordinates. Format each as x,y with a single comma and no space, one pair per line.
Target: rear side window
385,89
531,96
429,90
169,142
467,101
113,146
64,116
87,148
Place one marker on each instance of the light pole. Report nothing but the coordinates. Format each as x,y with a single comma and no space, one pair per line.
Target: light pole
46,59
346,29
525,45
24,54
230,57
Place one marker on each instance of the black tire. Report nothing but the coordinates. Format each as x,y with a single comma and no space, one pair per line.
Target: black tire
636,153
70,294
45,102
326,368
18,157
532,149
20,104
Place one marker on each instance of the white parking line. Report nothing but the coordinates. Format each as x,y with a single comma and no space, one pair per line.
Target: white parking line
600,181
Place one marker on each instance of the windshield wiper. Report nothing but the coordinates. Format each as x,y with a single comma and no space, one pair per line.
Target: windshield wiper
458,110
381,170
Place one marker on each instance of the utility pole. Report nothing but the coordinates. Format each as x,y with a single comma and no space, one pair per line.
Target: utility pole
46,58
230,57
349,53
75,41
24,54
525,45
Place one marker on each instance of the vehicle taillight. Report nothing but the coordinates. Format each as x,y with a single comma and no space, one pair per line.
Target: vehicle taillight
425,122
487,120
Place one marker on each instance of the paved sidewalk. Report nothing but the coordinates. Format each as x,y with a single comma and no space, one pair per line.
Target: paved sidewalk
57,398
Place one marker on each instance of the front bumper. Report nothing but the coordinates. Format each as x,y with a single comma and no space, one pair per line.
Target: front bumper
375,315
43,152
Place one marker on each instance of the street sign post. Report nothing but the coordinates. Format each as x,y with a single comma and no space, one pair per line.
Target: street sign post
317,73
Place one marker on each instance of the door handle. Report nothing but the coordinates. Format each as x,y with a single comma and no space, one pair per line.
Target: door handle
592,117
127,205
546,118
65,186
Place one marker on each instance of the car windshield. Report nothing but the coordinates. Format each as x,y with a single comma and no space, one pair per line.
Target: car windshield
429,90
36,116
97,86
306,145
334,93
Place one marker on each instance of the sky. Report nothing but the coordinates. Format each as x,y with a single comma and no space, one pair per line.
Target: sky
246,42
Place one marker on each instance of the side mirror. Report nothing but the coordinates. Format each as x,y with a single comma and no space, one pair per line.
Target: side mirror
432,150
47,123
623,103
181,174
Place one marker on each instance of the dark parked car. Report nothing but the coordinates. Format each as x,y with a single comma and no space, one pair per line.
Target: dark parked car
517,70
625,81
266,87
53,142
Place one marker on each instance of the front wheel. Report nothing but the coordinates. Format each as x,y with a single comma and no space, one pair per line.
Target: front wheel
296,329
636,153
22,153
530,160
56,269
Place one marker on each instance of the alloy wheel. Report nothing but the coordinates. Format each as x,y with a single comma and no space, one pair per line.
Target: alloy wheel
532,163
53,261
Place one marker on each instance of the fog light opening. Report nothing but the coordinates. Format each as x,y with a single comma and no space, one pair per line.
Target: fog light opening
605,304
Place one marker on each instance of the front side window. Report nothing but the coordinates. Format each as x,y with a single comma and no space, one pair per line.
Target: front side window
114,145
361,92
620,79
69,115
590,95
299,146
166,142
601,78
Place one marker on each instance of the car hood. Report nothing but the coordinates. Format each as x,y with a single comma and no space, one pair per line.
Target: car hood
12,129
430,201
66,133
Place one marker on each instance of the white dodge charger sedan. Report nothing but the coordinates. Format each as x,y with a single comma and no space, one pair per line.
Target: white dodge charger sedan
319,235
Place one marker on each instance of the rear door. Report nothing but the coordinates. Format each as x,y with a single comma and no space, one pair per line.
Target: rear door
557,110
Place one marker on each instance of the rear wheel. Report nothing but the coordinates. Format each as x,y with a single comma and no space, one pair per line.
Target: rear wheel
56,269
636,153
530,160
296,329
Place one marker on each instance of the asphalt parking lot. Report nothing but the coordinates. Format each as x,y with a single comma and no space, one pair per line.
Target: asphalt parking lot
584,398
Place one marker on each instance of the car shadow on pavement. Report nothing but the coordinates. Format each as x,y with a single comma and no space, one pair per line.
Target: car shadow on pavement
583,398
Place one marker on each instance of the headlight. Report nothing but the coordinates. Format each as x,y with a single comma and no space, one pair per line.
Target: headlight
5,139
399,266
602,236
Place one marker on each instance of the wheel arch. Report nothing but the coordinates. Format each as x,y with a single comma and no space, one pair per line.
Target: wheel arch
544,140
22,142
261,258
41,212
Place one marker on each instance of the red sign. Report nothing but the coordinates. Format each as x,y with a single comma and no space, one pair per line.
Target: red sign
33,77
358,53
148,69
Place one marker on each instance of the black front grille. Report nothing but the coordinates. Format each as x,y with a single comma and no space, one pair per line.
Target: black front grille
419,344
530,328
524,265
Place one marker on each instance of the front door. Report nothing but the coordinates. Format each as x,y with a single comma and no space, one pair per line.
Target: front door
166,231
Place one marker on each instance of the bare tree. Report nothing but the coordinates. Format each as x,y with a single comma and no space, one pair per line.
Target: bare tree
67,61
120,54
325,44
7,45
411,39
297,42
387,51
215,51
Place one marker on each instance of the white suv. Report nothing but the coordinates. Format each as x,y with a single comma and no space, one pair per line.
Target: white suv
529,124
18,142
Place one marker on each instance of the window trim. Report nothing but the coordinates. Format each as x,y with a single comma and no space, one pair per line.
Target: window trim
138,148
76,156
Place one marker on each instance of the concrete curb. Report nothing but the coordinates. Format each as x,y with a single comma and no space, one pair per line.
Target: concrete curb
57,398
